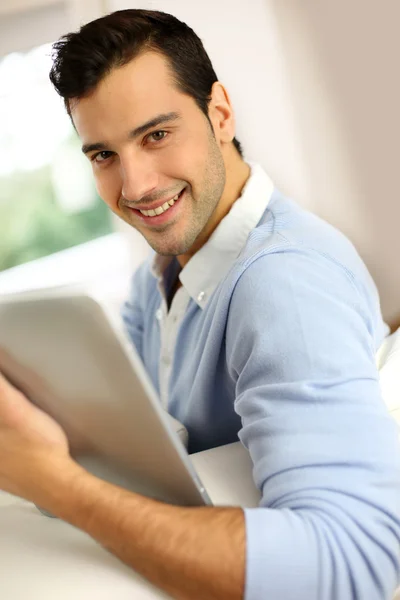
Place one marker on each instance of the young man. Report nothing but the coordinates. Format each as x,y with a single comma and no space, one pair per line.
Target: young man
254,319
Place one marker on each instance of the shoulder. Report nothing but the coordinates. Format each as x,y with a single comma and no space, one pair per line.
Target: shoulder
286,224
143,284
291,282
287,285
295,254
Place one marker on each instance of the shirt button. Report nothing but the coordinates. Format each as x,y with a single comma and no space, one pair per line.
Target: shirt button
159,314
166,360
201,297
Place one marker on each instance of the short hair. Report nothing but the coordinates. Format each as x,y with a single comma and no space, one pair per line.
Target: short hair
82,59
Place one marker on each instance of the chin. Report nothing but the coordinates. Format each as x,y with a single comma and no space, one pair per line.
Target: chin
171,247
168,251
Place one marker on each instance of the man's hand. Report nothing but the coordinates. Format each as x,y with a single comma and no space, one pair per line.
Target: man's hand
192,553
28,436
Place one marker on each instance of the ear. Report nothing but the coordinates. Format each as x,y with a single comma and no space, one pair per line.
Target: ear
221,114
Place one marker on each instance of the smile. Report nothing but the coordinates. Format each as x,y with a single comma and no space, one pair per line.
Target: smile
154,217
160,209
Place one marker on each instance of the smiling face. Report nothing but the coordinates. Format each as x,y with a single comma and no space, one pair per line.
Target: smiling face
153,150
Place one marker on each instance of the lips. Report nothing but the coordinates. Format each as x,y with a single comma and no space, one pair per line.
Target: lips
162,213
160,209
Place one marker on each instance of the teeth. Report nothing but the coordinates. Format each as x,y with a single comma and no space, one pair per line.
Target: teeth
160,209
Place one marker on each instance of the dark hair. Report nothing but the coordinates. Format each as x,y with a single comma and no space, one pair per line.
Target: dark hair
82,59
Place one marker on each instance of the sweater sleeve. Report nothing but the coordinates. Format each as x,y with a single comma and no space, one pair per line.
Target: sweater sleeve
325,450
132,311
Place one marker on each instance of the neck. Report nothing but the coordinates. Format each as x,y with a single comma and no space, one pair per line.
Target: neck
237,174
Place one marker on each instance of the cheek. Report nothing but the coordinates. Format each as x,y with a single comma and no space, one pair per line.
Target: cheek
184,160
109,186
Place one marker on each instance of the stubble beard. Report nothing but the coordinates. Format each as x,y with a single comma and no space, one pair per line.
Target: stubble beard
168,243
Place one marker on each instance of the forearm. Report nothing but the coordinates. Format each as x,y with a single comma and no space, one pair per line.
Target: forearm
191,553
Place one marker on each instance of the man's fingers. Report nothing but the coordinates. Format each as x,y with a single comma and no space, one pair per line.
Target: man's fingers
12,402
5,385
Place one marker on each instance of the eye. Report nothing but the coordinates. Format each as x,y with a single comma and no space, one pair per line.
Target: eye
157,136
102,156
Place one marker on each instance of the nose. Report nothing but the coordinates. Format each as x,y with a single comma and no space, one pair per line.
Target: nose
139,177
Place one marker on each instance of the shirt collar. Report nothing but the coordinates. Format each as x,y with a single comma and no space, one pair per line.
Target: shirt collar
211,263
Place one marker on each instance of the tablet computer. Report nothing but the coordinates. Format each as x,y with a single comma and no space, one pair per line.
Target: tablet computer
66,352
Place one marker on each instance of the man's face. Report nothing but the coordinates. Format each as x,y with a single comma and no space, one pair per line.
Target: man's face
152,149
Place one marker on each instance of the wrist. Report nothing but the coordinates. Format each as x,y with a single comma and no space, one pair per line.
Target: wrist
67,491
50,478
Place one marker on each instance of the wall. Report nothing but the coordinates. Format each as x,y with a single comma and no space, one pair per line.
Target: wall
25,24
21,31
341,61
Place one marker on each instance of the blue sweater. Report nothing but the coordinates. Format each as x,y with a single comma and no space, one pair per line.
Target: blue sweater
283,357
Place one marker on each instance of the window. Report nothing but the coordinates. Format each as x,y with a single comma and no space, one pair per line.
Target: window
48,201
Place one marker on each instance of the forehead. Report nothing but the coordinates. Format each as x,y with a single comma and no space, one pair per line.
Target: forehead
128,96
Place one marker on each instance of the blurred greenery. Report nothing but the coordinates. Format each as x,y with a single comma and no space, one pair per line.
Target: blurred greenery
33,224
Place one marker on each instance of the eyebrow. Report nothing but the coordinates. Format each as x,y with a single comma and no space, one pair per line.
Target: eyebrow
138,131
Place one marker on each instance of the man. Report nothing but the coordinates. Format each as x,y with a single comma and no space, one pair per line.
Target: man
254,318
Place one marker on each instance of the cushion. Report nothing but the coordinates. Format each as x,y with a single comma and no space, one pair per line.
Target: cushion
388,362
